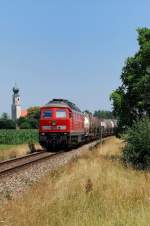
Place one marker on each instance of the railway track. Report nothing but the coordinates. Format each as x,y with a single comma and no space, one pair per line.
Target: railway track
15,164
12,165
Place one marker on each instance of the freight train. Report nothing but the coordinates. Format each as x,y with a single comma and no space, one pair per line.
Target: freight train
62,125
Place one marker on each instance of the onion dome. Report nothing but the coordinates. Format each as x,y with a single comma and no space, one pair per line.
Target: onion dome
15,89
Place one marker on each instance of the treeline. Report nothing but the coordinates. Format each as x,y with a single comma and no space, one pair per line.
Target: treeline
31,121
104,114
131,104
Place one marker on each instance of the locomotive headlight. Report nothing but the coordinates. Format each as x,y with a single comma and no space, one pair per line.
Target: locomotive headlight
61,127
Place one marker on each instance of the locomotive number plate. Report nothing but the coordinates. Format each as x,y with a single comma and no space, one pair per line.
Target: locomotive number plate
53,127
46,127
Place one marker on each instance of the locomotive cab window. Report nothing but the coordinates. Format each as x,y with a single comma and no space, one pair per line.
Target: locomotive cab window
47,114
61,114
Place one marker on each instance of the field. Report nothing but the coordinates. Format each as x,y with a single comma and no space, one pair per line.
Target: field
14,143
14,137
93,190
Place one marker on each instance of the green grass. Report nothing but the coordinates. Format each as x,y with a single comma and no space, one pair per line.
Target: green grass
6,146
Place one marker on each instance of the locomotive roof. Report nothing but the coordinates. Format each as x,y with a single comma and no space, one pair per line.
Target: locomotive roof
63,103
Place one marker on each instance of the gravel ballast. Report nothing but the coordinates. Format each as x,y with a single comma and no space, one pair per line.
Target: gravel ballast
17,182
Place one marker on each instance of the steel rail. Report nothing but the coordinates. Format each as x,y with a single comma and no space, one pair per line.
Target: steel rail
12,165
18,163
18,158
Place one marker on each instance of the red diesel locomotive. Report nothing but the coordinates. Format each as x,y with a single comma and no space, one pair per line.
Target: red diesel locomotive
62,124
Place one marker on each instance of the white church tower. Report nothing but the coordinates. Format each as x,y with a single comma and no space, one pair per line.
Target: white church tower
16,104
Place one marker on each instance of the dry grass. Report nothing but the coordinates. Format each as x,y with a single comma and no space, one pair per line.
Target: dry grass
12,151
94,190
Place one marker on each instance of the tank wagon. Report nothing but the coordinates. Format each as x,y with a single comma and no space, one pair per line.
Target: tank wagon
108,127
62,124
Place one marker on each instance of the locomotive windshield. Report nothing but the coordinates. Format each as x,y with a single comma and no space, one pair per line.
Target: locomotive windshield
47,114
61,114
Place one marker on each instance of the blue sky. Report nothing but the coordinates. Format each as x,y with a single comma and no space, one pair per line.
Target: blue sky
68,49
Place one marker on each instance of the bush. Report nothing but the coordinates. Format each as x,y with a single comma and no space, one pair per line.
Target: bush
137,150
34,123
18,136
7,124
25,125
28,123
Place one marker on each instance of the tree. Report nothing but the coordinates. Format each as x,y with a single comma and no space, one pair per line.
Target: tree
104,114
4,116
31,121
34,117
34,123
34,112
131,101
25,125
7,124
